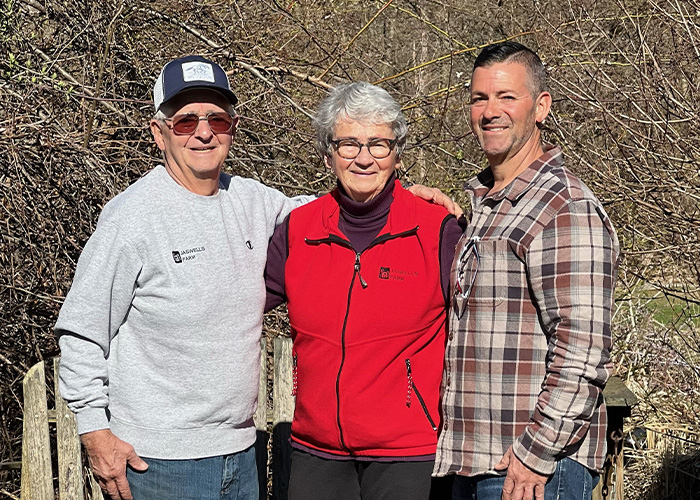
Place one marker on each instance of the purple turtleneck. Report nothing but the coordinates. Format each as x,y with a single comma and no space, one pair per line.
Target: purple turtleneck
360,222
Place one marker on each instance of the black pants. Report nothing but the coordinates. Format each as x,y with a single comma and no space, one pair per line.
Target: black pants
314,478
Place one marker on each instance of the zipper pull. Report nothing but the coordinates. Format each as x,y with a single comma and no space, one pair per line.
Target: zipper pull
294,375
357,270
412,388
409,377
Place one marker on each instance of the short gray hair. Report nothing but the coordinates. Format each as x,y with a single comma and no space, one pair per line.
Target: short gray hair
362,102
160,115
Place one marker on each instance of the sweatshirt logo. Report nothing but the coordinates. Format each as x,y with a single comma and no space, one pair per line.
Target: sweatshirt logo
180,256
391,273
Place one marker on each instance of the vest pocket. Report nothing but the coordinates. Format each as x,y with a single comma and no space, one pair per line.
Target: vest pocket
411,388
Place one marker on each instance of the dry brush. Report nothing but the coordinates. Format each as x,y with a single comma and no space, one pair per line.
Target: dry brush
75,90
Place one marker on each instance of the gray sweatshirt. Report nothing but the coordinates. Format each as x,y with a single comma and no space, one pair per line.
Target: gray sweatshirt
160,331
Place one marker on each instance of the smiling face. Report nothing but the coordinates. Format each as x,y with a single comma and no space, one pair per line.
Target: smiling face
195,160
504,112
364,176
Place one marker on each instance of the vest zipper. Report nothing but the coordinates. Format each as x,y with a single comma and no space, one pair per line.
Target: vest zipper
294,374
356,273
357,270
342,358
412,385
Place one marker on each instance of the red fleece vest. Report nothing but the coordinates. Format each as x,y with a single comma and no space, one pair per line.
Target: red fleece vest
368,330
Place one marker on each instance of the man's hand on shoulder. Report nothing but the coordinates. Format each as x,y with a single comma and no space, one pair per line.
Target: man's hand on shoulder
109,456
436,196
521,482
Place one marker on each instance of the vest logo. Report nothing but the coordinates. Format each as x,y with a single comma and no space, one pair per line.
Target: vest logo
393,274
180,256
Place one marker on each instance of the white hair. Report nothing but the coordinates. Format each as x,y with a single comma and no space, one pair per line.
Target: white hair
358,101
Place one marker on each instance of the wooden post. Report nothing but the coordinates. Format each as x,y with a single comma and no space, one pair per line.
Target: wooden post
260,417
262,437
283,412
37,483
95,490
619,401
70,463
283,385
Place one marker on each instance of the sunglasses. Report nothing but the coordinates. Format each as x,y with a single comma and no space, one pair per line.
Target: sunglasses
469,250
468,258
187,123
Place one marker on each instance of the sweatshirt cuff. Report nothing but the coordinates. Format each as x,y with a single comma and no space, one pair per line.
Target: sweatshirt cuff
534,454
92,419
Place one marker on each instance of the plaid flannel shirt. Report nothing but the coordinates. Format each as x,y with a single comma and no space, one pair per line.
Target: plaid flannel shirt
528,352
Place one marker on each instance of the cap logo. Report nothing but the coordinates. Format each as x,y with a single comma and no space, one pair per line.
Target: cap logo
197,71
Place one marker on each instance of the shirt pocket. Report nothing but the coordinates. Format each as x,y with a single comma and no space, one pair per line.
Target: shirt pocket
480,278
495,262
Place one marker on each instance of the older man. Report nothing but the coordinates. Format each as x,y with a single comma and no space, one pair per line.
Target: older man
160,331
528,352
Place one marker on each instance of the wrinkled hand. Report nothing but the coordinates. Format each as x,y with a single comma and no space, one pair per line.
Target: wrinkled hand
109,456
436,196
521,482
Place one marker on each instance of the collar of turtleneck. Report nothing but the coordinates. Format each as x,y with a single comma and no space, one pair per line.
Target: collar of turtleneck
362,222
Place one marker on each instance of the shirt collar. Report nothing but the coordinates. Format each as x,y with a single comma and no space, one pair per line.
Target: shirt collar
480,185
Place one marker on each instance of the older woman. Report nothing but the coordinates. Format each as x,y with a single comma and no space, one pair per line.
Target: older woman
365,272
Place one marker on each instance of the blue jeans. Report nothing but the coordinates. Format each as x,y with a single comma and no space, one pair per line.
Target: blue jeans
226,477
570,481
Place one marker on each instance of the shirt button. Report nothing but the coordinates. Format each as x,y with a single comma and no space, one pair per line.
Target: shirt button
445,426
451,336
448,380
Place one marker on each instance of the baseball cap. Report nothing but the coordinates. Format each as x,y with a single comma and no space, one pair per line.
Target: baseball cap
191,72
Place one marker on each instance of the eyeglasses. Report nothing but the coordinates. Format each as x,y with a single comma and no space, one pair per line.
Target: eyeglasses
350,148
187,123
464,259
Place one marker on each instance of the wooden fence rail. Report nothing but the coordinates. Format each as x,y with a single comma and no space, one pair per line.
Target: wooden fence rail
37,476
75,482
